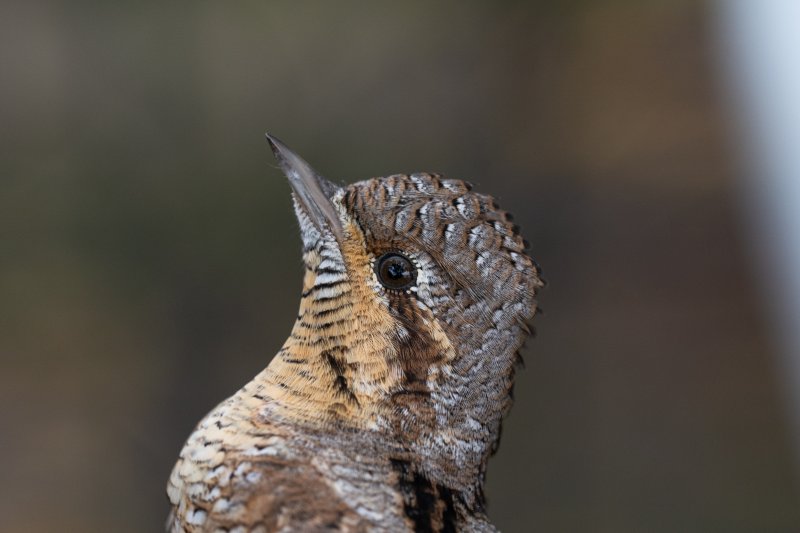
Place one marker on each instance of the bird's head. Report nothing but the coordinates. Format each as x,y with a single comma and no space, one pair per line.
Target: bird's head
415,301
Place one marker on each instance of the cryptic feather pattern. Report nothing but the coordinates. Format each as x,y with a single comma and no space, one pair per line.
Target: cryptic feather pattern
382,408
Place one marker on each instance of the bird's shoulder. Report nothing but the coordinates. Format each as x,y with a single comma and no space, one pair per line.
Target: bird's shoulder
239,472
268,494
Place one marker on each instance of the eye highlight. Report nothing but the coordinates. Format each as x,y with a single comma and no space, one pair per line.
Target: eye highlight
395,271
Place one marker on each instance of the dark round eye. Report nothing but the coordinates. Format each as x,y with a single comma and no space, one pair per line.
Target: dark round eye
395,271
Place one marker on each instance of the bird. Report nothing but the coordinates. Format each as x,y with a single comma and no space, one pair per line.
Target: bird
381,410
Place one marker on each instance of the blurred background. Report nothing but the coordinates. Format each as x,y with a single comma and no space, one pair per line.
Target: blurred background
150,262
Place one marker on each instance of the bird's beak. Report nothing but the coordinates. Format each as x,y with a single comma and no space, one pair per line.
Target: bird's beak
312,191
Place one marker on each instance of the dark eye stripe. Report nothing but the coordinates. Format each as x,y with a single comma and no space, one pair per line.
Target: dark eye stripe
395,271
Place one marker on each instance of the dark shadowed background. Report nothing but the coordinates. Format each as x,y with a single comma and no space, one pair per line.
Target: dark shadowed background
150,261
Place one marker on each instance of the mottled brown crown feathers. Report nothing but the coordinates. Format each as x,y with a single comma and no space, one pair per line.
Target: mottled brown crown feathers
483,282
382,408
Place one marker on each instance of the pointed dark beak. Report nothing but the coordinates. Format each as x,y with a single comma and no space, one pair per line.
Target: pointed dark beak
313,192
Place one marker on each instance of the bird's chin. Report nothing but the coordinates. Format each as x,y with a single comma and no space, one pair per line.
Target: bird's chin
312,236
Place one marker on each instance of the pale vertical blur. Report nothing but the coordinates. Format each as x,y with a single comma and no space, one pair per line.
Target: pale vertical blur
149,260
760,47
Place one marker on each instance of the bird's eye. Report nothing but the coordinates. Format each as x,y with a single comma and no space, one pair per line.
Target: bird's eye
395,271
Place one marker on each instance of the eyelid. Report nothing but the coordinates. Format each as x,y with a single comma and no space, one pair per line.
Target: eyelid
378,266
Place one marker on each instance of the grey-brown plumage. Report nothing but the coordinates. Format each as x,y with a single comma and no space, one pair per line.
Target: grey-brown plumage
382,408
